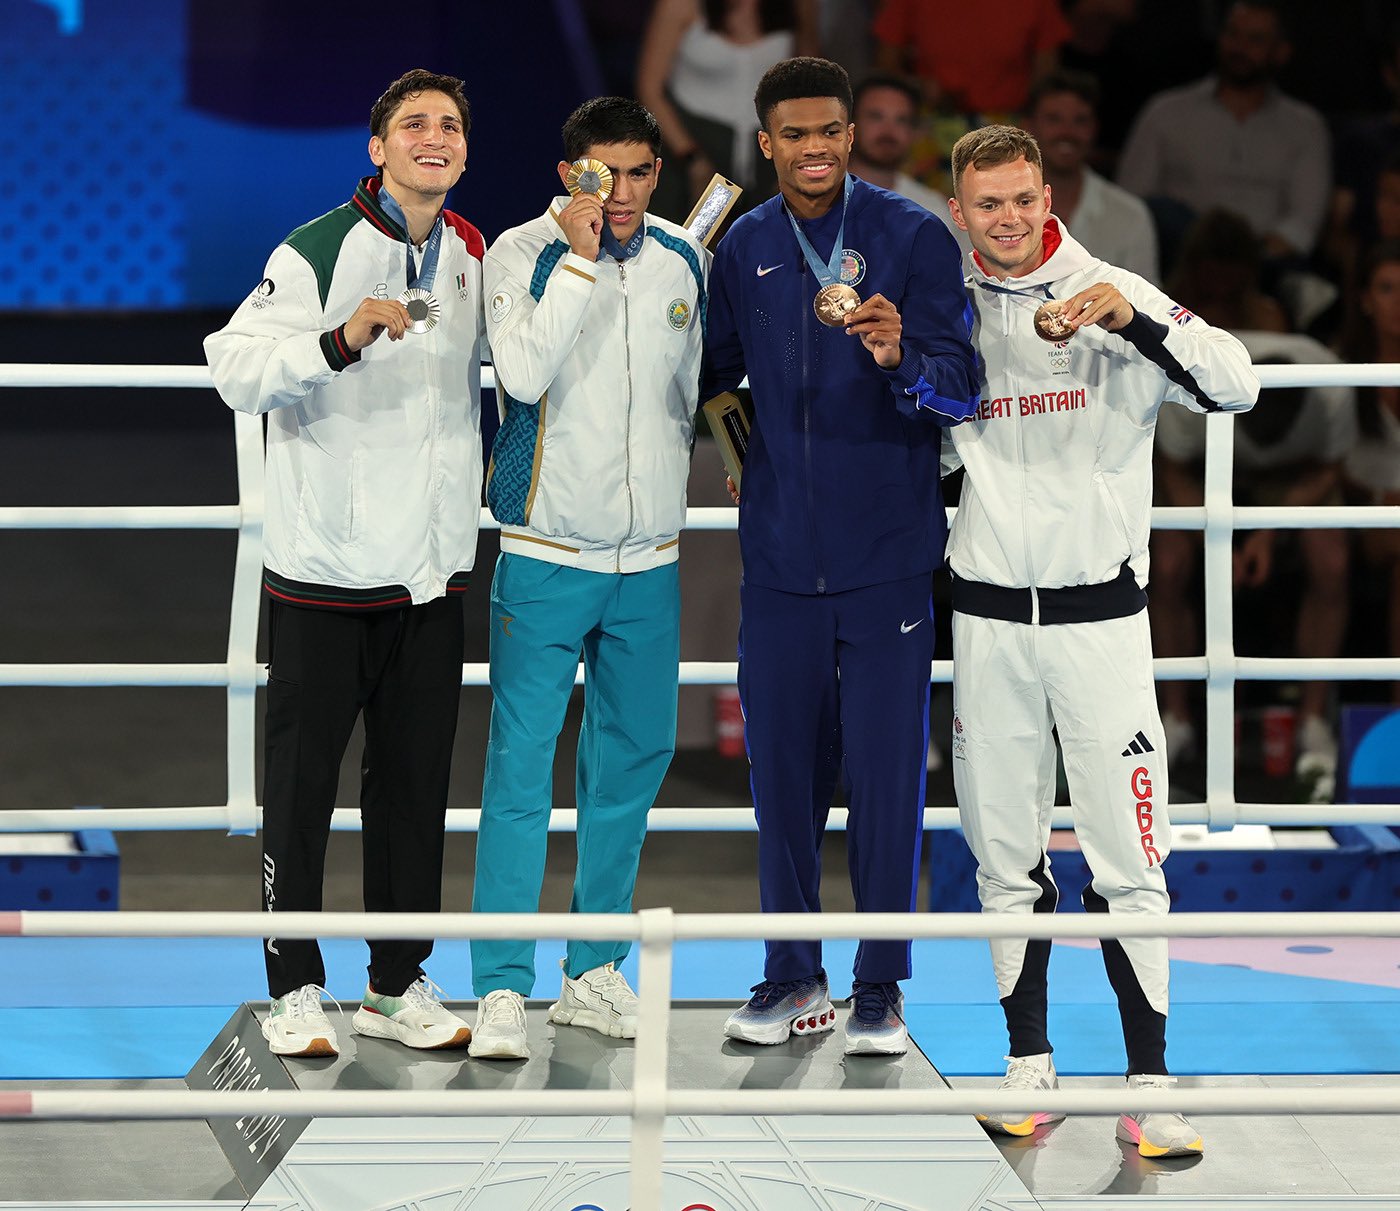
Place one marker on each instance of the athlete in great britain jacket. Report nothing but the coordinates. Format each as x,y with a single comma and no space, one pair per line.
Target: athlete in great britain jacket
373,458
1080,510
567,381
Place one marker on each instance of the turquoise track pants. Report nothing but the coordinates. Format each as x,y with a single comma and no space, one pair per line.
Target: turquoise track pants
627,629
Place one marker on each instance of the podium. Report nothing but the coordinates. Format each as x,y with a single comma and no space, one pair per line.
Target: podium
579,1163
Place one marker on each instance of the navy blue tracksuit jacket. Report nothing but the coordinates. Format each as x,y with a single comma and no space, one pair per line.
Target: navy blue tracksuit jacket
841,526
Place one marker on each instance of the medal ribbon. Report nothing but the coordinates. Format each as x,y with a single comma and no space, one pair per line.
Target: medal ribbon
828,272
414,275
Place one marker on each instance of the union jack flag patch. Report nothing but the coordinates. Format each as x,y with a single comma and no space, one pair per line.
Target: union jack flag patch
1179,315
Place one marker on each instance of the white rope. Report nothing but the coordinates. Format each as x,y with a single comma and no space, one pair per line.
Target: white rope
671,819
608,927
100,1104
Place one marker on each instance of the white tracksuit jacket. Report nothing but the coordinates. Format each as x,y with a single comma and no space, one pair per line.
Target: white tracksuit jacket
598,372
373,459
1049,555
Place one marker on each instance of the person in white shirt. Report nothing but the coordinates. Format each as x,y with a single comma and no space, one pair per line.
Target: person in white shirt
1234,141
1110,222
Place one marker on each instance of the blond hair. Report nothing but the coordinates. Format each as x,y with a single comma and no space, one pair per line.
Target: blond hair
990,146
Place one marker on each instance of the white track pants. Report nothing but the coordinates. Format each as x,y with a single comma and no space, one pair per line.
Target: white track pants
1092,681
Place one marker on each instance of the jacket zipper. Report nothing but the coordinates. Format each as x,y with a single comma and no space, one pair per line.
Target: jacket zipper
627,464
1006,309
807,436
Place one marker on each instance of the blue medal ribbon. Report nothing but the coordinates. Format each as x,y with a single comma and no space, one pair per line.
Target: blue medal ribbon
414,275
828,272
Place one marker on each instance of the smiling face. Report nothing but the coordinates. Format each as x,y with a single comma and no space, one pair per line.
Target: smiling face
1064,125
809,142
884,122
423,149
635,172
1003,209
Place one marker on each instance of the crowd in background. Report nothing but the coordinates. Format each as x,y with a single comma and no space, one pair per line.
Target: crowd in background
1242,154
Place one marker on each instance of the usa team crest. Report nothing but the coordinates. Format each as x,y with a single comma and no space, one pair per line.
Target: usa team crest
852,267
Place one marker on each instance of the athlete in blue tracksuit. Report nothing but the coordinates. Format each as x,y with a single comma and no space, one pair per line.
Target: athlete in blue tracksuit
841,526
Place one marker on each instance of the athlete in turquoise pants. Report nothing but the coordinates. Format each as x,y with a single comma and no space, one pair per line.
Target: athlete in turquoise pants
594,312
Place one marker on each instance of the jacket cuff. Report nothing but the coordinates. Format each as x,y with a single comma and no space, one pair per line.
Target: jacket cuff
1143,332
580,267
904,376
336,351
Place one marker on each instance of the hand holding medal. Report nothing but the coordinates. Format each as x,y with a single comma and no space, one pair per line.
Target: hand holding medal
878,324
1101,303
590,182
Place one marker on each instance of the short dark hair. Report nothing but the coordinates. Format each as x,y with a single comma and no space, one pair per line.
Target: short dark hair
610,120
419,80
897,83
1281,12
804,76
1065,80
992,146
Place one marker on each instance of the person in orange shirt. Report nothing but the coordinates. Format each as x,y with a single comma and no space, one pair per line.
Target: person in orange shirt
966,63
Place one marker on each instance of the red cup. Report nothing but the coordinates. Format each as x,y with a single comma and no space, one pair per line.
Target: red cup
1278,727
729,723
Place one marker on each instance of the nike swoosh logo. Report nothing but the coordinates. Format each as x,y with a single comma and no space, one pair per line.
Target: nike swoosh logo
763,273
906,627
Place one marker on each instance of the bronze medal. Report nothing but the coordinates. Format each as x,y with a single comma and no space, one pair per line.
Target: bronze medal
423,309
1051,322
833,302
589,176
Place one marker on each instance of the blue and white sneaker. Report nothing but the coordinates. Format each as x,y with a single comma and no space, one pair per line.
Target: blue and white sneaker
875,1025
780,1009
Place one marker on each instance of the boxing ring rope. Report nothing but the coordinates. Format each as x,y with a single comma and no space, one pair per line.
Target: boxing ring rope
240,674
648,1105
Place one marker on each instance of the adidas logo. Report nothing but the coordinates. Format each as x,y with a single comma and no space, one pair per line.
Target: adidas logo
1137,746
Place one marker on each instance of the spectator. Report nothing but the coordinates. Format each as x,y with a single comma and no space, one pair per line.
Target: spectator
886,109
1288,452
1366,147
701,61
1111,223
964,62
1373,468
1233,140
1217,274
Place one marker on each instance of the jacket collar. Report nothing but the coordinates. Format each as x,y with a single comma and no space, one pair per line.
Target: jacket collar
366,201
1062,255
634,245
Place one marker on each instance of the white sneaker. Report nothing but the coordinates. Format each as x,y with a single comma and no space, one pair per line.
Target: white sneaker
418,1018
1158,1133
1316,766
1031,1073
600,999
500,1027
296,1025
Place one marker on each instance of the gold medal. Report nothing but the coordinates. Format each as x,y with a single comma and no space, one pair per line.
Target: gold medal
423,309
1051,322
833,302
589,176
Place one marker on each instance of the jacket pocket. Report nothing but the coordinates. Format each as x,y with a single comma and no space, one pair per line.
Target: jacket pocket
1111,507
